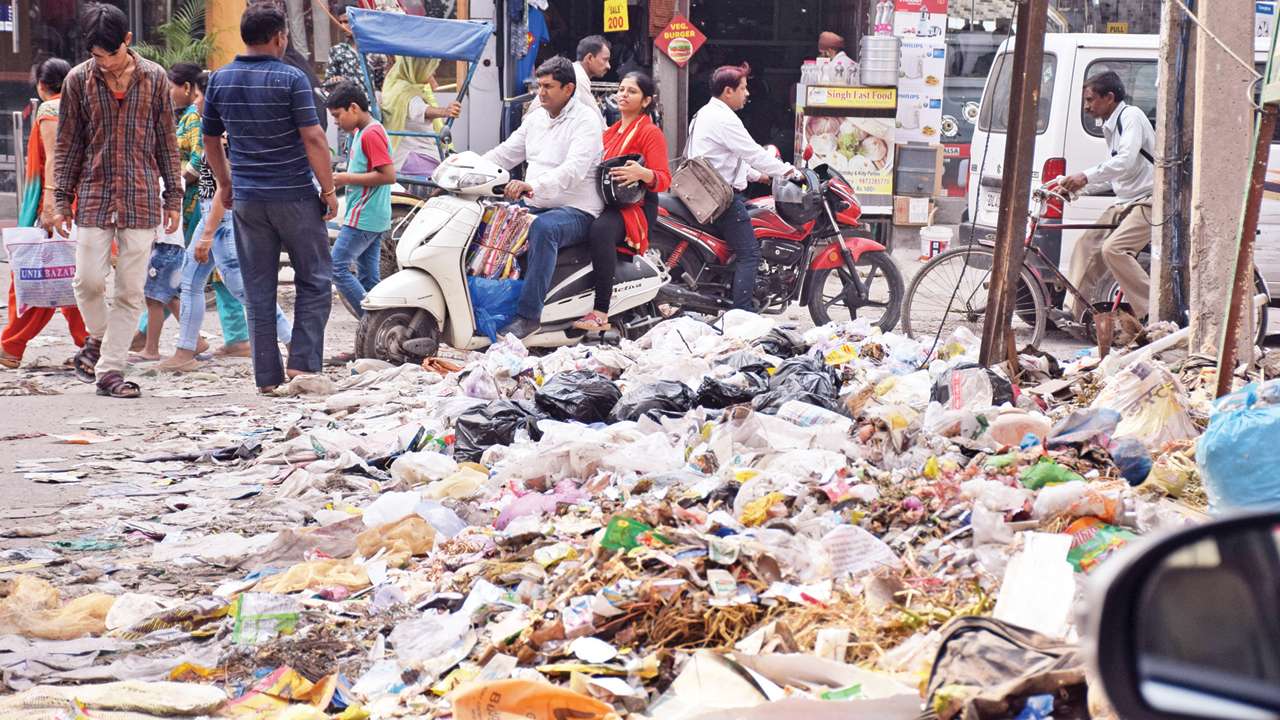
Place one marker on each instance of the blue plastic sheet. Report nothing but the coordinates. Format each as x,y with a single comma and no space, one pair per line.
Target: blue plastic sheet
494,302
1238,455
390,33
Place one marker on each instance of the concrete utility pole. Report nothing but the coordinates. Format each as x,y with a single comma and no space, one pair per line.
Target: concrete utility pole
673,92
1220,170
1170,210
1015,185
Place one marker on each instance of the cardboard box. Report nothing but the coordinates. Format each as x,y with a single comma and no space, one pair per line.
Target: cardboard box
912,211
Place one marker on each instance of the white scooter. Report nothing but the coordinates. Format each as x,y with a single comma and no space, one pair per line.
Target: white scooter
409,314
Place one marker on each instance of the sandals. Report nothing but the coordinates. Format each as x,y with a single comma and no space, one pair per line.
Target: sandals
593,322
87,359
9,361
114,385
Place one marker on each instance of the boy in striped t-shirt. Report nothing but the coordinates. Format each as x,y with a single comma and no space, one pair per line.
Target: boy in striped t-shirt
368,178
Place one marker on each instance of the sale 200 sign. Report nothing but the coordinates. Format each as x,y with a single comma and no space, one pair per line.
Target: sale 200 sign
615,16
680,40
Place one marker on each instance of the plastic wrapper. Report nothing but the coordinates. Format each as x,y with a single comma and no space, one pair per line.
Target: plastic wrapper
661,399
1083,426
1239,454
1047,472
33,608
494,303
1079,499
1093,541
804,378
525,700
494,424
415,468
580,395
969,387
262,616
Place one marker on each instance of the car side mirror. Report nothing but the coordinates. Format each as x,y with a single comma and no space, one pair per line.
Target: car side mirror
1188,626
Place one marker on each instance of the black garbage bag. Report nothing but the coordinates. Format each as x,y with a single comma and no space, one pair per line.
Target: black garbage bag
719,394
494,424
746,361
579,395
665,398
969,386
804,378
782,342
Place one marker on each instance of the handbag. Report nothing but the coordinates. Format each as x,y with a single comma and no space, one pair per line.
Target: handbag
613,193
700,187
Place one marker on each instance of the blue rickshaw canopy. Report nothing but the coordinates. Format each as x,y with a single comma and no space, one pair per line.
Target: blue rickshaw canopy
390,33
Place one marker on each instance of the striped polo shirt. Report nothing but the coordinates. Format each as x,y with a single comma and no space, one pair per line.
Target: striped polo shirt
260,103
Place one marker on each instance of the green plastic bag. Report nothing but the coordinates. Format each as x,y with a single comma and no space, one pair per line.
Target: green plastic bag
624,533
1047,472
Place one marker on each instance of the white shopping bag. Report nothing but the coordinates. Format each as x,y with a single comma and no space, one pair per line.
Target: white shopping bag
43,267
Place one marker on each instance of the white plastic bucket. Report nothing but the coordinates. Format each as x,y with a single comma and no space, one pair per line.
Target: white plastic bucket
934,239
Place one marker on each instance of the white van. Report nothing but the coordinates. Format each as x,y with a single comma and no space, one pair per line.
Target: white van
1068,140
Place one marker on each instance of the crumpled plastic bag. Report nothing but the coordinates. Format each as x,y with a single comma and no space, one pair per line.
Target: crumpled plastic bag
580,395
33,608
782,342
525,700
1153,405
164,699
415,468
494,424
316,574
494,303
405,538
970,387
1239,454
804,378
661,399
719,394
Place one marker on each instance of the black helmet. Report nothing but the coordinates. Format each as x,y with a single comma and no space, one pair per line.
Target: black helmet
615,194
798,200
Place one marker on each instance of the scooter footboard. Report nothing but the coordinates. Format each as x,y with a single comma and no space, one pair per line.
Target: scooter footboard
409,287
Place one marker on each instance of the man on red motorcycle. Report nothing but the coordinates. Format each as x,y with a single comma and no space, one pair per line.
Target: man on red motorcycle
717,135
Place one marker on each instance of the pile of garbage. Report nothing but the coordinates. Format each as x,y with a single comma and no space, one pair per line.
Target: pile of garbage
738,520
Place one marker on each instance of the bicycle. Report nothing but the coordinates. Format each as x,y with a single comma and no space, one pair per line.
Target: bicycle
951,290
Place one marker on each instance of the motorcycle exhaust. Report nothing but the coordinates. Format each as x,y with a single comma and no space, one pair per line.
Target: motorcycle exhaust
422,347
673,294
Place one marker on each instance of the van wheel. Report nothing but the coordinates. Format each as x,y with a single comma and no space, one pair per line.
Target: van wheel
383,333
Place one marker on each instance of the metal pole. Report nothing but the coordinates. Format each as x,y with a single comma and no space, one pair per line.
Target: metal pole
1242,287
19,158
1015,185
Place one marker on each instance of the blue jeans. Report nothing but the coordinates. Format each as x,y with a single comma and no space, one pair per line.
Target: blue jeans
735,227
195,274
364,248
262,229
552,229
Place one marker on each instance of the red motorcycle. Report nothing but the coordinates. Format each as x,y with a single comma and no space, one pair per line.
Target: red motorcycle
810,251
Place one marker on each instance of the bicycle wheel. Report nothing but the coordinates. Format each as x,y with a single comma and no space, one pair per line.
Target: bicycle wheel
951,292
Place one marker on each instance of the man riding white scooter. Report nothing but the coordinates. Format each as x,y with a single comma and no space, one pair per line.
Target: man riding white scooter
562,145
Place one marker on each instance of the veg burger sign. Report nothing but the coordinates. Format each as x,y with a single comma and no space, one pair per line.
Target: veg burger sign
680,40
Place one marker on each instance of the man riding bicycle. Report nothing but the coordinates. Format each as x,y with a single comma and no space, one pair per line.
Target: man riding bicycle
1129,173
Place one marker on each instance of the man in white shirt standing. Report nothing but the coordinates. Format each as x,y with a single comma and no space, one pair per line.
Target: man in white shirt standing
1130,174
718,136
594,57
562,143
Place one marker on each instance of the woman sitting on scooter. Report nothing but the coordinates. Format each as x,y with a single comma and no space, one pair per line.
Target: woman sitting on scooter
635,133
717,135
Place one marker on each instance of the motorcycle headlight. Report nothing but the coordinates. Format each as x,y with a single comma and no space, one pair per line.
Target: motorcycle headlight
472,179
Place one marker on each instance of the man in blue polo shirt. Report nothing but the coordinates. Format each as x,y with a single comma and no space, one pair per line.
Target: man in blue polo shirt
282,187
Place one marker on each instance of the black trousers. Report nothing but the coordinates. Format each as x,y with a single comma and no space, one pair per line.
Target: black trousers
608,232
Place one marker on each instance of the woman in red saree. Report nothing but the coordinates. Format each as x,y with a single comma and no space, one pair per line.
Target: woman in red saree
627,226
37,211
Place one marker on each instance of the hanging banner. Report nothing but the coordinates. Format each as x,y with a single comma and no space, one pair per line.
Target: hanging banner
680,40
615,16
921,26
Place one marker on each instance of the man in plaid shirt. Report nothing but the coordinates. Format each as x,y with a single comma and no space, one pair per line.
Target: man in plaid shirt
116,143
